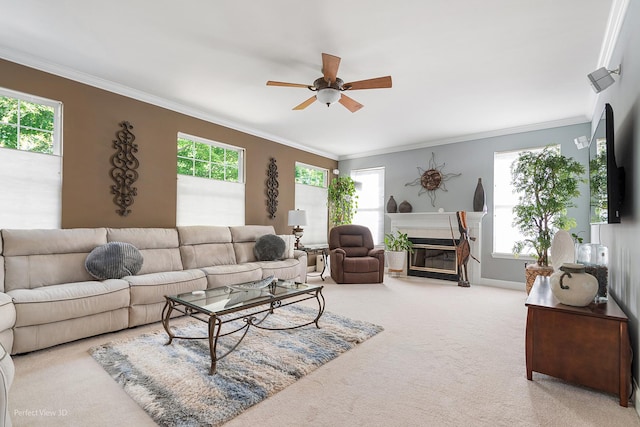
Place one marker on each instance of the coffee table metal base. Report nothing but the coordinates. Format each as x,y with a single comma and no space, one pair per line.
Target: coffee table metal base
250,316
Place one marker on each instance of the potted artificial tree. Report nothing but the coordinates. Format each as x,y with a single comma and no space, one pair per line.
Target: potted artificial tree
547,182
397,246
343,201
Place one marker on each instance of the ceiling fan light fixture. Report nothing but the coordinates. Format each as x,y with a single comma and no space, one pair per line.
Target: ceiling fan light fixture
328,95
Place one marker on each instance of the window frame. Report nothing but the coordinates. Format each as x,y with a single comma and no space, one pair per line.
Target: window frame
378,233
324,171
56,148
241,157
496,183
316,230
33,200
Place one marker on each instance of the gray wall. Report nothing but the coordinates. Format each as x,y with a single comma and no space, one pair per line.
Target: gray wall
474,159
623,239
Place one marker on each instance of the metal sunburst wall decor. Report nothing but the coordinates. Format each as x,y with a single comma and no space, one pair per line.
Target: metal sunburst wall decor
432,179
124,172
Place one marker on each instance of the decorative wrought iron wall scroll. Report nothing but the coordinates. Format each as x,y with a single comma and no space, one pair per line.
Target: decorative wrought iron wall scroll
272,188
124,172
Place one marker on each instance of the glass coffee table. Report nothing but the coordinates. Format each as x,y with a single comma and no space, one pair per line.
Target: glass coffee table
220,306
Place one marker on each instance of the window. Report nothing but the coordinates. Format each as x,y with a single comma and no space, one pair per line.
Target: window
504,199
207,159
311,196
210,182
29,123
370,191
30,161
311,175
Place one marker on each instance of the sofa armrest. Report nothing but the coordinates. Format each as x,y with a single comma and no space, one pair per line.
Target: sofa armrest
7,372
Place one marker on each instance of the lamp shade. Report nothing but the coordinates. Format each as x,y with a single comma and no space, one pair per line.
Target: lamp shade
297,217
328,96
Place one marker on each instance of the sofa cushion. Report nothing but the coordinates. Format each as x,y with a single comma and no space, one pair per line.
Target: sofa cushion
244,239
152,288
269,248
284,269
158,246
225,275
55,241
35,258
55,303
204,246
290,245
114,260
249,233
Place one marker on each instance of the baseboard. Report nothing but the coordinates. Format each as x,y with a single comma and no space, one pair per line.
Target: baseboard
516,286
505,284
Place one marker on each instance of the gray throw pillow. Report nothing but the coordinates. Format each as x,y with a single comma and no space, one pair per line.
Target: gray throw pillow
269,248
114,260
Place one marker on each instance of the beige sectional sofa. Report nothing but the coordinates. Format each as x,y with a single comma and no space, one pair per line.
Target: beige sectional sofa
47,297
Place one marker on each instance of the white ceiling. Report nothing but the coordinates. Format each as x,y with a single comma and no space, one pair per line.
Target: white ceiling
461,69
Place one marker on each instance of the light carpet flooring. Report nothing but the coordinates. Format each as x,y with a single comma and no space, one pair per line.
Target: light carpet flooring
448,356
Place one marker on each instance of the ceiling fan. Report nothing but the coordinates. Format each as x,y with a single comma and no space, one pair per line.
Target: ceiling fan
329,87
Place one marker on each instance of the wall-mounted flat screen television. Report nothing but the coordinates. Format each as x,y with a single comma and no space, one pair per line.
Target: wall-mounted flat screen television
606,179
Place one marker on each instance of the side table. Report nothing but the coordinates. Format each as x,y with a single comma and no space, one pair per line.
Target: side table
588,345
318,250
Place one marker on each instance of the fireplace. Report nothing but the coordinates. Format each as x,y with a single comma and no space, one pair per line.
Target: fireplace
434,258
437,228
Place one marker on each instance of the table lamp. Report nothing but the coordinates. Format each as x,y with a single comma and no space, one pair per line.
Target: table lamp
296,219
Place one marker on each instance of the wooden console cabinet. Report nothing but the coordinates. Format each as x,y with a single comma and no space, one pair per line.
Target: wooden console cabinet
583,345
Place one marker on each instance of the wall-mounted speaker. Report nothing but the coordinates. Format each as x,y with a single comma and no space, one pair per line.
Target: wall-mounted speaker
601,78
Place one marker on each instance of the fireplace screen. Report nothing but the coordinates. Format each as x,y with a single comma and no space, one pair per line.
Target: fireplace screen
434,258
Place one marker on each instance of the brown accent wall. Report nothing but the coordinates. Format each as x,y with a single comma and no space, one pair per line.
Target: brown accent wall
90,122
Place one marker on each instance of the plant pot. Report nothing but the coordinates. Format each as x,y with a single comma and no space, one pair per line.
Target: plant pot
395,261
534,270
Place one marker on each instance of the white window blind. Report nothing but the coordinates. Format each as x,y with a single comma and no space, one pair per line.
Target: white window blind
30,161
311,196
313,200
370,191
31,193
204,201
211,189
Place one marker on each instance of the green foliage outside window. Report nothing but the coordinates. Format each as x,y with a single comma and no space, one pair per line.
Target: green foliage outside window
311,176
208,161
26,125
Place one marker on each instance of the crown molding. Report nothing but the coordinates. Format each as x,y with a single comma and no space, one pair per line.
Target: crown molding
614,23
110,86
473,137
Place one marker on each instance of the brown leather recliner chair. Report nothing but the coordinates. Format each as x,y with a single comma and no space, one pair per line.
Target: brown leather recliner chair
352,256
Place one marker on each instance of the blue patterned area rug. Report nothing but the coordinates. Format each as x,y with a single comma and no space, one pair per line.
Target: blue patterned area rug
171,382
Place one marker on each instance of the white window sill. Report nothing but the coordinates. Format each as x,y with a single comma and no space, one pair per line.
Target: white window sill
502,255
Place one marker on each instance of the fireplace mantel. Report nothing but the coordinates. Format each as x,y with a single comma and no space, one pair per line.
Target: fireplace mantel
439,225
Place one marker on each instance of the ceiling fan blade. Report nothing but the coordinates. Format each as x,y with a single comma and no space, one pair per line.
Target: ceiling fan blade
377,83
305,104
330,66
272,83
349,103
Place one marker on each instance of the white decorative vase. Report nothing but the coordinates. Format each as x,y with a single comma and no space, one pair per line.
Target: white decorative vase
395,261
563,249
572,286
